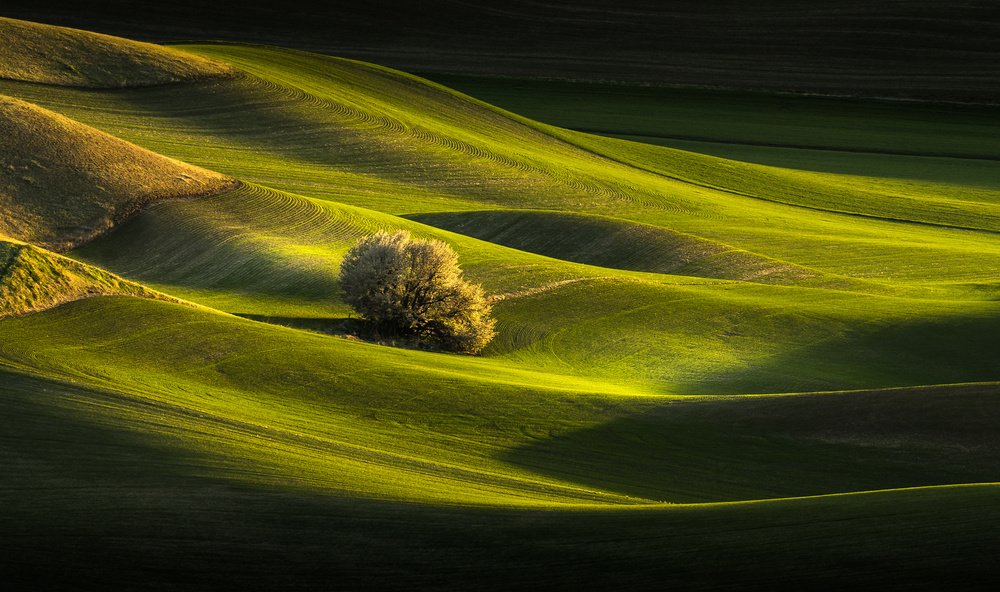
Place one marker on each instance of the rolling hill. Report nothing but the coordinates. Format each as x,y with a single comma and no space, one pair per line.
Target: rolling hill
70,57
64,183
708,373
34,280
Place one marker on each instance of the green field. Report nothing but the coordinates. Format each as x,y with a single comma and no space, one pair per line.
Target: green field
754,349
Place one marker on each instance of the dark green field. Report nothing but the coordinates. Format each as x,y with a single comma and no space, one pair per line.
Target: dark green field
746,339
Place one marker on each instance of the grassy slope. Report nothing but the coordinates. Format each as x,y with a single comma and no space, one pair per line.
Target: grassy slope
256,251
914,128
274,256
342,416
233,460
56,55
568,407
778,334
63,182
919,141
413,159
113,508
346,417
886,243
32,279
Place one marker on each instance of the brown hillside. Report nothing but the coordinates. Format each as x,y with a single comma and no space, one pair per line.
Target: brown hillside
69,57
62,182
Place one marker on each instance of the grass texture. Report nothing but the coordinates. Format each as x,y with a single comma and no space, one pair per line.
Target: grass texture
63,183
404,147
131,435
35,52
32,280
708,373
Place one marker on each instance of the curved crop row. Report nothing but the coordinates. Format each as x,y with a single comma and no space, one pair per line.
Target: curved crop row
284,408
64,182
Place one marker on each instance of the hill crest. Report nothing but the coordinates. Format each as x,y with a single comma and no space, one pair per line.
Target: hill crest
33,280
47,54
63,182
617,244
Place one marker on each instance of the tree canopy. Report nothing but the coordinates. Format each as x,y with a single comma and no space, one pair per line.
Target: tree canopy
410,287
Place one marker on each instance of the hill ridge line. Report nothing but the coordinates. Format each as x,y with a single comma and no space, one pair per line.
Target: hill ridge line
708,140
558,284
232,186
776,201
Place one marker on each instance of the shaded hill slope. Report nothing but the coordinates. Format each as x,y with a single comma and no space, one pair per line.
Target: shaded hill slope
367,136
145,494
62,182
608,242
903,48
35,52
269,406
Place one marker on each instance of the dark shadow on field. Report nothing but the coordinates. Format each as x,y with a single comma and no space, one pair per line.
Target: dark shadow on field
327,325
943,51
728,449
356,329
85,505
615,243
949,348
722,448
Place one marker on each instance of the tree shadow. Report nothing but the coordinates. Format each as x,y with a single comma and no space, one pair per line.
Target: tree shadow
326,325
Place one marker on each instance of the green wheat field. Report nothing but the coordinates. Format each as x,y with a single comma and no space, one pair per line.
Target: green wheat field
745,340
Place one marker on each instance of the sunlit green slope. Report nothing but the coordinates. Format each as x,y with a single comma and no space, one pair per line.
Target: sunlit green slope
269,405
614,391
33,279
362,135
261,252
322,412
272,256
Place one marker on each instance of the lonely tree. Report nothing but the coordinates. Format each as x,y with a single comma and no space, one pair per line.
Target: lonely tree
413,288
